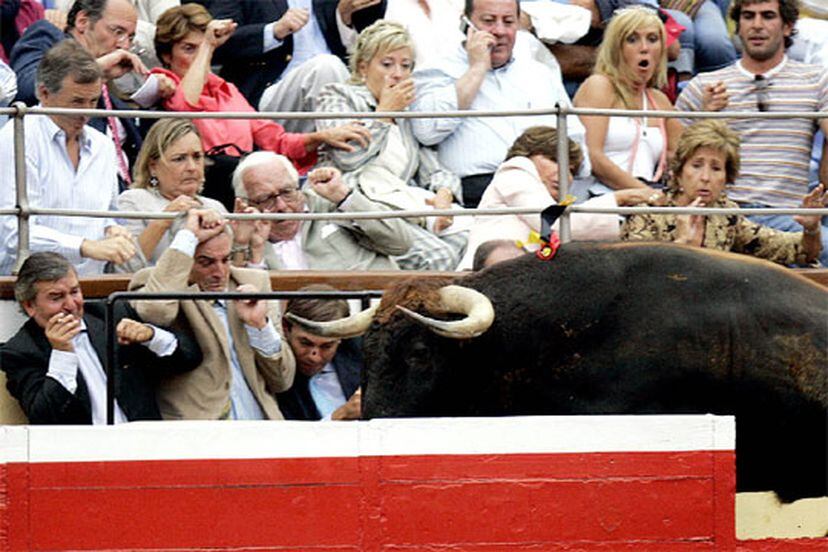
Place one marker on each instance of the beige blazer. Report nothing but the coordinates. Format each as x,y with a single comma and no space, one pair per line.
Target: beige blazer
361,245
204,393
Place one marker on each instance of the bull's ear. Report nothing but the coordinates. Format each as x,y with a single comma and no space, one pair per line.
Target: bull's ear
461,300
352,326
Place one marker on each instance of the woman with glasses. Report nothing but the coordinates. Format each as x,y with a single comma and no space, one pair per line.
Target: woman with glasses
185,40
393,168
707,159
168,176
631,67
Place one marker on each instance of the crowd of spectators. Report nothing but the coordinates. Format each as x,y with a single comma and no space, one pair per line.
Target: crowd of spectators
232,359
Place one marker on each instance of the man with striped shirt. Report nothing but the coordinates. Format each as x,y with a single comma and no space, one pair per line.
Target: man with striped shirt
775,153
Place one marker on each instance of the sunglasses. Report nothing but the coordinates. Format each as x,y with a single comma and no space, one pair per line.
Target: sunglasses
761,85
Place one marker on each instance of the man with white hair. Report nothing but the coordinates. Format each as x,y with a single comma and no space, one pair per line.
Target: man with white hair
267,182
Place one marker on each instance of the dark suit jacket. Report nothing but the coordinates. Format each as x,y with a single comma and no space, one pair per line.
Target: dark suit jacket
297,404
25,359
26,56
252,70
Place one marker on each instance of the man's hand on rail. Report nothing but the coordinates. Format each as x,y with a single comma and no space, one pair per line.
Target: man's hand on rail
204,223
116,249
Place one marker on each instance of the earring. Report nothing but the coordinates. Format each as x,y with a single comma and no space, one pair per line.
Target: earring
153,181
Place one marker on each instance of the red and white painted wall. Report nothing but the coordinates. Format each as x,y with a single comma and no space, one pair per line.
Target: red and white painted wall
538,483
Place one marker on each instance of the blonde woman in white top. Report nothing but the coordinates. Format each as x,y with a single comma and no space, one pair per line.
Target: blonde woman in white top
630,69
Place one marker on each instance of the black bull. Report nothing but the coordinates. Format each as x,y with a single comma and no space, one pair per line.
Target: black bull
630,329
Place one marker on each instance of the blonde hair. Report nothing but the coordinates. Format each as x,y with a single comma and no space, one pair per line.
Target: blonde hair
378,38
709,133
610,62
161,136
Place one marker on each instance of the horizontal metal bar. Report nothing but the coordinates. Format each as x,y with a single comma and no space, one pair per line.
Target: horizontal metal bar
443,212
213,295
422,114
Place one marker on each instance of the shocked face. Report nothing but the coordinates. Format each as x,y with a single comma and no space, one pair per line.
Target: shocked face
641,51
703,176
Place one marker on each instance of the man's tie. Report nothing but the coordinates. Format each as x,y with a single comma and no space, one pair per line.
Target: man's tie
123,168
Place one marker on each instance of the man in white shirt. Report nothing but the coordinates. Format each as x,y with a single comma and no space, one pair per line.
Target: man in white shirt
244,362
55,362
69,166
327,370
484,75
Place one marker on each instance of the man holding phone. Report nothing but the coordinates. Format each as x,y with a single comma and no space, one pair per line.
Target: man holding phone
484,75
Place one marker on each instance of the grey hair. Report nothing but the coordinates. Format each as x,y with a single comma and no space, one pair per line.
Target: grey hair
254,160
44,266
66,58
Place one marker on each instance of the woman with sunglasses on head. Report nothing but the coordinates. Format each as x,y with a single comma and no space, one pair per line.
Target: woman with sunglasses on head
707,159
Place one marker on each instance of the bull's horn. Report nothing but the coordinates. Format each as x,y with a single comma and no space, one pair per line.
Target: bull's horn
461,300
354,325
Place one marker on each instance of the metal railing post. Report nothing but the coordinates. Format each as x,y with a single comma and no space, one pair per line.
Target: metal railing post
563,172
21,193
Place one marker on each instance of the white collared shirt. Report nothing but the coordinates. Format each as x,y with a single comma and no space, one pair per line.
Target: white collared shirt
52,181
64,366
326,391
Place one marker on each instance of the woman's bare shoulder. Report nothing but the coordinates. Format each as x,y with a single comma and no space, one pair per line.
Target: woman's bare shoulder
596,91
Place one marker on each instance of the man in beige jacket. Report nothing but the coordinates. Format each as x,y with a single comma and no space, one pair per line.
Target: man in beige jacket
244,360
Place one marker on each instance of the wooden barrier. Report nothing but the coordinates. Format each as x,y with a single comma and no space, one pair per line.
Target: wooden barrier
103,285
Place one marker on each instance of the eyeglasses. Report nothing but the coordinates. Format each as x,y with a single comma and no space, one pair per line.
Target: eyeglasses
268,203
761,84
121,34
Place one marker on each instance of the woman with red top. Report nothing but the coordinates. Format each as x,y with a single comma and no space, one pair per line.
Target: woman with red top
185,39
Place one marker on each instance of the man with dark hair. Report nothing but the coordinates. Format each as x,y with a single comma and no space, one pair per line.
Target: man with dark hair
775,153
284,51
54,362
105,29
68,166
484,75
244,361
326,386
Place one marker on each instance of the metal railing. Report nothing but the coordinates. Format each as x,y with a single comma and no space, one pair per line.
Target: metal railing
23,211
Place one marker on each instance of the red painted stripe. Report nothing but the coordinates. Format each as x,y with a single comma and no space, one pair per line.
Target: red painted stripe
379,501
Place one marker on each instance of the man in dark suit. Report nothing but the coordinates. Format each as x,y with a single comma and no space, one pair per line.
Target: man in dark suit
105,29
305,40
328,371
54,363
